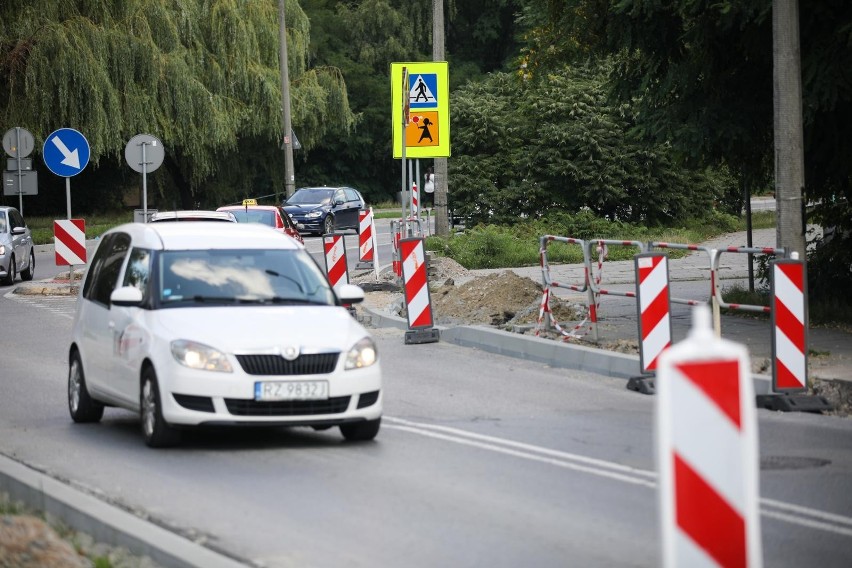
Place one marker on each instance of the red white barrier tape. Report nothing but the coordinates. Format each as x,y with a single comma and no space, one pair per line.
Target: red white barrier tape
335,259
707,452
69,242
417,299
789,326
652,292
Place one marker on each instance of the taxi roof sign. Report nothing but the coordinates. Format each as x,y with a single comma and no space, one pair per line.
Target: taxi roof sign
247,202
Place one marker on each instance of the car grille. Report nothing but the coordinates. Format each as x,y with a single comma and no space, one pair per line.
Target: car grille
313,364
242,407
368,399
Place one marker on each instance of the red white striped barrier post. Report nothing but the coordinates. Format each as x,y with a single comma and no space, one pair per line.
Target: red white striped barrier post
418,303
365,239
396,236
654,313
415,200
69,244
707,452
789,326
335,259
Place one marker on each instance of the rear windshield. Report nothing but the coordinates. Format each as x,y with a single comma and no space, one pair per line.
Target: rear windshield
262,216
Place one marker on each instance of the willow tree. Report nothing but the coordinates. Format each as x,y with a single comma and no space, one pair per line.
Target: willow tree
202,75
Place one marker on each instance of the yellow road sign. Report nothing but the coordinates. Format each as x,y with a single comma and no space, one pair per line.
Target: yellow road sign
426,133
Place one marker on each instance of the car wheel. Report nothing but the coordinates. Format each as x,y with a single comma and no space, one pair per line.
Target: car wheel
328,224
361,431
10,275
27,273
155,429
83,407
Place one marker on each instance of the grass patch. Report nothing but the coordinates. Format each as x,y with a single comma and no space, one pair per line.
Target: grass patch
759,220
96,225
499,246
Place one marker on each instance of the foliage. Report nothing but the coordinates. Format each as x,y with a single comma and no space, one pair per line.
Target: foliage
501,246
527,147
201,75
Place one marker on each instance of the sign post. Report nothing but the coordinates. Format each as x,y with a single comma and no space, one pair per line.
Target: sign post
18,143
144,153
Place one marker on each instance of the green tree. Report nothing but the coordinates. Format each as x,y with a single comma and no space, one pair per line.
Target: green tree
202,75
528,147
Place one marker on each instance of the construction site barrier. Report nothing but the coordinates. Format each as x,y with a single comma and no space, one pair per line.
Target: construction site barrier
545,315
717,292
677,246
654,307
336,266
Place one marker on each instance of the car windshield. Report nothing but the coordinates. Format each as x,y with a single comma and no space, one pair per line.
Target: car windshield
236,277
2,221
311,195
262,216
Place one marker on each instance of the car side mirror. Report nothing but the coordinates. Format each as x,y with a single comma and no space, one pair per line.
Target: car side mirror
126,296
338,201
19,230
350,293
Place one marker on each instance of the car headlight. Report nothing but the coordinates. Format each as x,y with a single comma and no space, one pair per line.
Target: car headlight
199,356
314,214
363,354
2,250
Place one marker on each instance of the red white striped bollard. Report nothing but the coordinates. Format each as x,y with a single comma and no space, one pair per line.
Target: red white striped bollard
789,326
652,293
365,238
707,452
335,259
397,235
415,201
418,303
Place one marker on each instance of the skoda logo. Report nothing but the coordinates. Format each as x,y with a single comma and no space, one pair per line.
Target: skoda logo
290,353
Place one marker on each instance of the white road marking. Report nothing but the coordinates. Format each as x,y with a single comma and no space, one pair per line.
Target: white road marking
793,514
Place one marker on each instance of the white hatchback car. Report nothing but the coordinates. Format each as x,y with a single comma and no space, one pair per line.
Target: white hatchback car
207,323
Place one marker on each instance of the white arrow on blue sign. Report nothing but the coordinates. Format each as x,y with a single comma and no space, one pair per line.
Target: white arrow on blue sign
66,152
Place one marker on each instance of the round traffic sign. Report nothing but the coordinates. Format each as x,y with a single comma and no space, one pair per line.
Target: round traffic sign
144,150
18,142
66,152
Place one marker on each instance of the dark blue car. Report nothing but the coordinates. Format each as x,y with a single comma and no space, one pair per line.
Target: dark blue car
324,210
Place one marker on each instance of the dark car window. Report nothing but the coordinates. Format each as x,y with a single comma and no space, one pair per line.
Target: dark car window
311,195
15,220
2,221
339,196
351,195
105,268
138,270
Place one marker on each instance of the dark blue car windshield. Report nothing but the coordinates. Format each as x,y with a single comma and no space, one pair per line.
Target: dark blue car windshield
311,196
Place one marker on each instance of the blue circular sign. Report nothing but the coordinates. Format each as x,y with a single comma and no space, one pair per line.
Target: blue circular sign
66,152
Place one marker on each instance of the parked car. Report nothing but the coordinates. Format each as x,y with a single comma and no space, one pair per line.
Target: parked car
270,215
192,215
16,247
325,209
214,324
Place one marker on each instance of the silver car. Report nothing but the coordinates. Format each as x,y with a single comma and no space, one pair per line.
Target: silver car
16,247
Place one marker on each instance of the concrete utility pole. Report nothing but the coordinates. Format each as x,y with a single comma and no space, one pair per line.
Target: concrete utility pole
287,128
442,224
789,144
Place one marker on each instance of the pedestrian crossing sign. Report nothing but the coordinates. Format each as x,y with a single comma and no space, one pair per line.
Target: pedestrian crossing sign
423,104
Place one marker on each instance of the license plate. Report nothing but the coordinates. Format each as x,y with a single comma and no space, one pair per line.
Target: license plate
291,390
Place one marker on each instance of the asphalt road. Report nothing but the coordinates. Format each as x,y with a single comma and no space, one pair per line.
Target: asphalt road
482,461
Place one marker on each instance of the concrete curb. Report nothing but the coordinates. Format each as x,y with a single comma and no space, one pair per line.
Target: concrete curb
104,522
546,351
